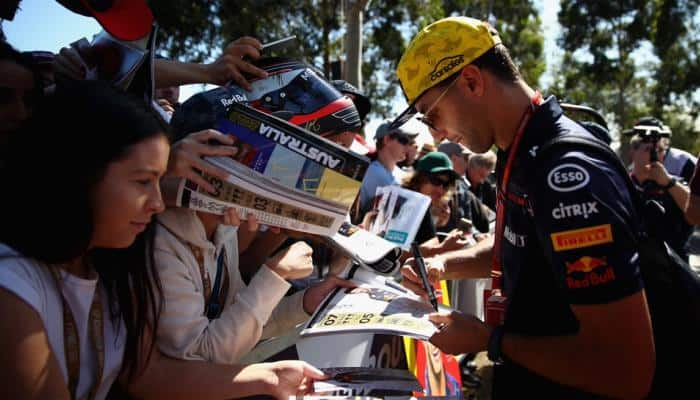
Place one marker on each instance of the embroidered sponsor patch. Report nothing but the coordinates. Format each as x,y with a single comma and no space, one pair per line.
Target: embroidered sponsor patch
575,210
585,264
568,177
579,238
588,271
514,238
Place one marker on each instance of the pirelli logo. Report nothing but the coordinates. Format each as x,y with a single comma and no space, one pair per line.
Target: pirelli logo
579,238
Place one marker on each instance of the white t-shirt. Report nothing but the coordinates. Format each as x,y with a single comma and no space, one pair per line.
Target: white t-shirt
32,282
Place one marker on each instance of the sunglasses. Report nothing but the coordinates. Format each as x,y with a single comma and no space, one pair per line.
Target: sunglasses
404,140
426,115
440,181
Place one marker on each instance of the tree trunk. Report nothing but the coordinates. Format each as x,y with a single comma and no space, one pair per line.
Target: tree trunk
354,10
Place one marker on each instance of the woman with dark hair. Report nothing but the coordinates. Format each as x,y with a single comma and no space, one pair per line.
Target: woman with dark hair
76,289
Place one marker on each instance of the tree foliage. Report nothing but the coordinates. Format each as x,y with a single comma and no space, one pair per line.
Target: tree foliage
520,28
199,30
632,58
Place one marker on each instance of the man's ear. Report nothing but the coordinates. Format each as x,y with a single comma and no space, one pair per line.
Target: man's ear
473,80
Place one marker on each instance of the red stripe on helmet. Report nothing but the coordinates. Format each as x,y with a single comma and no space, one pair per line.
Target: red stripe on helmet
337,105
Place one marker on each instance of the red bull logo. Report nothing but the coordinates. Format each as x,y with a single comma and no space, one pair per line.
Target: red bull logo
588,271
585,264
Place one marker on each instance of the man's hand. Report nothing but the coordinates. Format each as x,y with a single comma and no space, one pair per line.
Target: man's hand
293,262
657,173
232,64
186,157
455,240
459,333
412,279
315,294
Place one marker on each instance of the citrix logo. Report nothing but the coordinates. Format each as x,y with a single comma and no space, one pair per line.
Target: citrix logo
575,210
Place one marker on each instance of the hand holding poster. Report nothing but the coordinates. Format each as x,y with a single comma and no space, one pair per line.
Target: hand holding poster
283,174
377,305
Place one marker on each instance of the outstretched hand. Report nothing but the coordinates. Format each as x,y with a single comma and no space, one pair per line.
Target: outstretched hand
186,157
318,291
233,63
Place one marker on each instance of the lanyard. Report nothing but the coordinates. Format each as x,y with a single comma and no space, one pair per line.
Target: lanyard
71,340
502,194
214,298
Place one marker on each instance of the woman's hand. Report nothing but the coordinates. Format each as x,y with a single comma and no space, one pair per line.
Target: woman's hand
315,294
186,157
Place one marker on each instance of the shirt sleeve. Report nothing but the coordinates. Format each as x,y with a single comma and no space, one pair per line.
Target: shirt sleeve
478,216
688,170
695,182
368,187
17,277
286,316
184,331
585,221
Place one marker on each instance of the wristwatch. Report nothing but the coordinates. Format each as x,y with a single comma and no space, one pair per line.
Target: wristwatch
494,346
671,183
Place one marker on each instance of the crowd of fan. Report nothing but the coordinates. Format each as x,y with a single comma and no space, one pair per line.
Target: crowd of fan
89,171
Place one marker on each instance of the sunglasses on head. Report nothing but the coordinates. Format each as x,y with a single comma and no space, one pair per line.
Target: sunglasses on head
404,140
437,180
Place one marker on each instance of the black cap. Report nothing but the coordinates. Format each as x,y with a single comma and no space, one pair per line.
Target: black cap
362,103
650,121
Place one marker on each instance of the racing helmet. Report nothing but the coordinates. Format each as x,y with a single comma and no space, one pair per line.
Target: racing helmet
293,91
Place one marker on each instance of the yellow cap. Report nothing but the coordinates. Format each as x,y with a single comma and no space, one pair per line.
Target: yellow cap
441,49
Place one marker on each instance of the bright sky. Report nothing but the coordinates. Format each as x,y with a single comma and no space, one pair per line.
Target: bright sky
46,25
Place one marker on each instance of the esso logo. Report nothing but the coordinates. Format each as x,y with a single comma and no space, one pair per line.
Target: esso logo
567,178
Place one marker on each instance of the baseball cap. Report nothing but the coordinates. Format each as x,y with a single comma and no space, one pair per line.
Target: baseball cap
652,121
435,163
362,103
127,20
386,129
452,148
436,52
